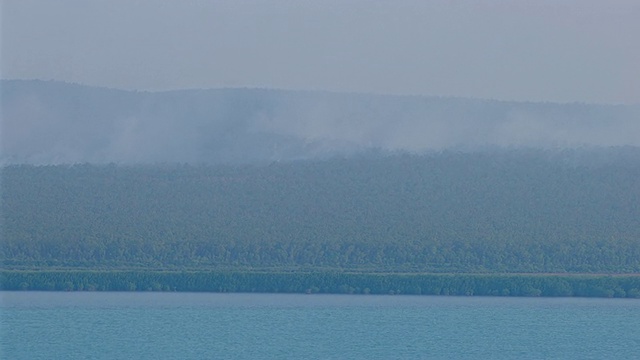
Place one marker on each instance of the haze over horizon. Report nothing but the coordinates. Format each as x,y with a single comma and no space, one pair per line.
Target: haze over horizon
410,76
48,122
565,52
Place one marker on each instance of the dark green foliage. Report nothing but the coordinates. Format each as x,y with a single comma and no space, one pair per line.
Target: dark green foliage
325,282
520,212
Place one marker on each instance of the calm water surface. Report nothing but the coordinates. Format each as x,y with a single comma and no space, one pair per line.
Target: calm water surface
98,325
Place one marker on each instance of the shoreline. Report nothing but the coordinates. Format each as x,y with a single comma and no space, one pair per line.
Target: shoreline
326,282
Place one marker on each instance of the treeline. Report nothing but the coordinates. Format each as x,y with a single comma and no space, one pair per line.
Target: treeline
325,282
494,211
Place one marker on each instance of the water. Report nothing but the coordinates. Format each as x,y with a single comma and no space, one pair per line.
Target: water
77,325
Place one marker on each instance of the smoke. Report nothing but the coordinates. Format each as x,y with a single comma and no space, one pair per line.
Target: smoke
51,123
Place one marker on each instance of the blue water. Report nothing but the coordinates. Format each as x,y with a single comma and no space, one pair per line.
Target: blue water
98,325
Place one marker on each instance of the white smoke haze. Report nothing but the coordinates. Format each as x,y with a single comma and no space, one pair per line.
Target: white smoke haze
54,123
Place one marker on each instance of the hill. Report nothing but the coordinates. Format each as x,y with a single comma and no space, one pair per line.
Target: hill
47,122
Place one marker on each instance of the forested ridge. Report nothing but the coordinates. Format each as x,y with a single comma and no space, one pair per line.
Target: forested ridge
517,211
51,122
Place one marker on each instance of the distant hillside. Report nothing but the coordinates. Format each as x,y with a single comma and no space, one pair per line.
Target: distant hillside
516,211
46,122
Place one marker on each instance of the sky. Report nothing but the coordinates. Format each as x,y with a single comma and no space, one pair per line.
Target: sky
543,50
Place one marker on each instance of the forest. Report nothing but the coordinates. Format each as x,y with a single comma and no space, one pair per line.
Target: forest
486,212
620,286
51,122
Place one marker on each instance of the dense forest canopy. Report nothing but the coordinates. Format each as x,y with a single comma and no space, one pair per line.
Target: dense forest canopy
622,286
493,211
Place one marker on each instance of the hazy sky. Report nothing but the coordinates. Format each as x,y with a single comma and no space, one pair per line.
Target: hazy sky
580,50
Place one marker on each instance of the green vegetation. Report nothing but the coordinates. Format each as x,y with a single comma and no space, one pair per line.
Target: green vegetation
326,282
449,213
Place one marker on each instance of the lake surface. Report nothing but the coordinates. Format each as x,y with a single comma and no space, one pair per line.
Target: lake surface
101,325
